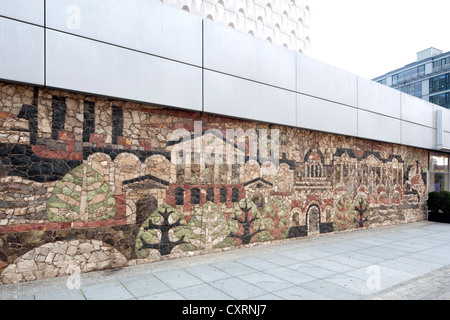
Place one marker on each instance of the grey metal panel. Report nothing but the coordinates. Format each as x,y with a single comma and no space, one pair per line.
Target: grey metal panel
378,127
439,130
445,117
143,25
22,52
322,80
237,53
378,98
445,142
418,136
442,137
231,96
417,110
26,10
323,115
88,66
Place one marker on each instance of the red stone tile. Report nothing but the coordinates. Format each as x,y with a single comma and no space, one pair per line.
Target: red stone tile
37,226
78,224
120,222
93,224
6,229
65,225
22,228
51,226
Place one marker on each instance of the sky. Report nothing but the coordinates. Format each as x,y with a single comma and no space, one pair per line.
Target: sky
372,37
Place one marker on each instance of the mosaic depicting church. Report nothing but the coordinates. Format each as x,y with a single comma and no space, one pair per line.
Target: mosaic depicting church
90,182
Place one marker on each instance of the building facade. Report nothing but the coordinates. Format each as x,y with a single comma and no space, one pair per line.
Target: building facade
152,133
284,23
429,79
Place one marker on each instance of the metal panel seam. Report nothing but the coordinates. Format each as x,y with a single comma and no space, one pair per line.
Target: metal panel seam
22,21
122,47
45,43
203,65
357,106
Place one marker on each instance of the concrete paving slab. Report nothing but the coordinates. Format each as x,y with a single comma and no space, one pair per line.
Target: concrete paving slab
364,258
168,295
305,254
337,249
203,292
300,293
145,285
332,265
178,279
364,273
233,268
360,286
414,269
207,273
424,256
110,290
67,294
312,270
238,289
383,253
257,264
400,275
355,263
331,290
267,297
290,275
410,247
412,261
266,281
277,259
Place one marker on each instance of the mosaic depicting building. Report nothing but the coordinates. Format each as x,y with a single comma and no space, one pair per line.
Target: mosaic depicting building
90,125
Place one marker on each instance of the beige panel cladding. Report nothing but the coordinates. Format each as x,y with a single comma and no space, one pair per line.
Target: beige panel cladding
282,22
88,183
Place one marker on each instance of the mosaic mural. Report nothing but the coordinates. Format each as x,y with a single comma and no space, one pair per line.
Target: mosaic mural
91,183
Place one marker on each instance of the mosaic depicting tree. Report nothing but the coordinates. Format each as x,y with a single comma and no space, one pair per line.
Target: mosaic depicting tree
246,222
81,195
344,214
277,219
210,228
164,230
362,213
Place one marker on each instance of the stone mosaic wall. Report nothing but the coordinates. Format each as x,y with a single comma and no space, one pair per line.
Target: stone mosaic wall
88,183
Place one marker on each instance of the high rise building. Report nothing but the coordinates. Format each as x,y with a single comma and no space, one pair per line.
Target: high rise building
282,22
428,78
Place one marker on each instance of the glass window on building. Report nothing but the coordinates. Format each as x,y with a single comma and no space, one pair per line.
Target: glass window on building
414,89
439,173
441,64
408,75
440,83
394,79
442,100
421,70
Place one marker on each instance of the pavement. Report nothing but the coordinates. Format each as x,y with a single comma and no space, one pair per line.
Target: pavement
402,262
